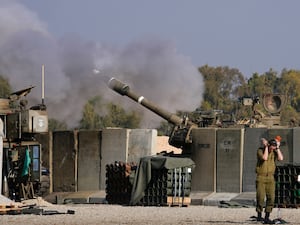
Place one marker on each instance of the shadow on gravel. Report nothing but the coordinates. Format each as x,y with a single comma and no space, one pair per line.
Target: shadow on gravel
251,221
230,222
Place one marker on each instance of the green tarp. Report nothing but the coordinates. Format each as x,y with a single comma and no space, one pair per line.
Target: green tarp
27,161
143,173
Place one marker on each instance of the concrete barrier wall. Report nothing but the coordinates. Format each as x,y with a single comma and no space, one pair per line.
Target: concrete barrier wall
142,142
229,160
251,144
114,147
204,156
77,159
296,146
45,140
89,160
64,163
225,158
286,142
125,145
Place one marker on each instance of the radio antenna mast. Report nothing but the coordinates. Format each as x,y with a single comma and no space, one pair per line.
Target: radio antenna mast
43,84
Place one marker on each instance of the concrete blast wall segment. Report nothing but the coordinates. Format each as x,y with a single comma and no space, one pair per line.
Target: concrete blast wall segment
251,144
225,158
229,160
114,147
46,141
296,144
286,146
77,159
142,142
64,161
204,155
89,160
125,145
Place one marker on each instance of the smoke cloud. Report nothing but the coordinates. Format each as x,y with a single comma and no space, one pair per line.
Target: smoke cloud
77,69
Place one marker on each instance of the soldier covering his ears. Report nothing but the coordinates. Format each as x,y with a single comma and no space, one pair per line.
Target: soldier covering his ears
265,181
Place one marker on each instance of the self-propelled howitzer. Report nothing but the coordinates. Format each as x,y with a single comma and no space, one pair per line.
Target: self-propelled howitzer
181,134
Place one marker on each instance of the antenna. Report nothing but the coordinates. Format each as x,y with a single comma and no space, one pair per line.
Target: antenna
43,84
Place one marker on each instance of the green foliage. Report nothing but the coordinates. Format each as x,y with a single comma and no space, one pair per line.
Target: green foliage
97,115
290,116
206,105
117,117
54,125
291,87
222,87
90,118
5,88
265,83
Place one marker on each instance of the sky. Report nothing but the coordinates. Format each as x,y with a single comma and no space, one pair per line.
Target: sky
154,46
250,35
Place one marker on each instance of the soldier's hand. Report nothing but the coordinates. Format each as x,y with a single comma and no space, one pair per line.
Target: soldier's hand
278,139
264,142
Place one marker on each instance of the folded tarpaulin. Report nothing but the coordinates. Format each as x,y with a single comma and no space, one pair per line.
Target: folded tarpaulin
143,173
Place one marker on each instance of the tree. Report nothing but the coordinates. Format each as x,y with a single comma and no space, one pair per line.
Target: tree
222,87
90,118
256,85
5,88
291,87
97,115
54,124
117,117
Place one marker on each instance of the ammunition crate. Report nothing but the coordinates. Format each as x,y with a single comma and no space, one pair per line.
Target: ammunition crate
118,186
287,191
168,187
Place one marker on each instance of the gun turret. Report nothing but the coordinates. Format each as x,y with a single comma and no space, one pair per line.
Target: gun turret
181,134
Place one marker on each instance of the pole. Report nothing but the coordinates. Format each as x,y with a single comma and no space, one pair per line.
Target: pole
1,153
43,83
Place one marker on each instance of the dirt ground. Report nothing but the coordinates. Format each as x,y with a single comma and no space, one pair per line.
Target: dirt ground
84,214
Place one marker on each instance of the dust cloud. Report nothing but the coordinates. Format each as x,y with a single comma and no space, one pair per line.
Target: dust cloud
77,69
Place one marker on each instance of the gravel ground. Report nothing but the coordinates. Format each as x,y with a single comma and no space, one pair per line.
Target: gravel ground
117,214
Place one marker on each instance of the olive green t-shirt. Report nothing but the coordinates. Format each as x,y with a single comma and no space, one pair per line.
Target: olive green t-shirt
265,167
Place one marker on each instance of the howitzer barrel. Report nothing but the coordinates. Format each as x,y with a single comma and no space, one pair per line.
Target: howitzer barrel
123,89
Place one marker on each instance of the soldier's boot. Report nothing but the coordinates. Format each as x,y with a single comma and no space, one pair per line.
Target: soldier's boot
267,219
259,217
